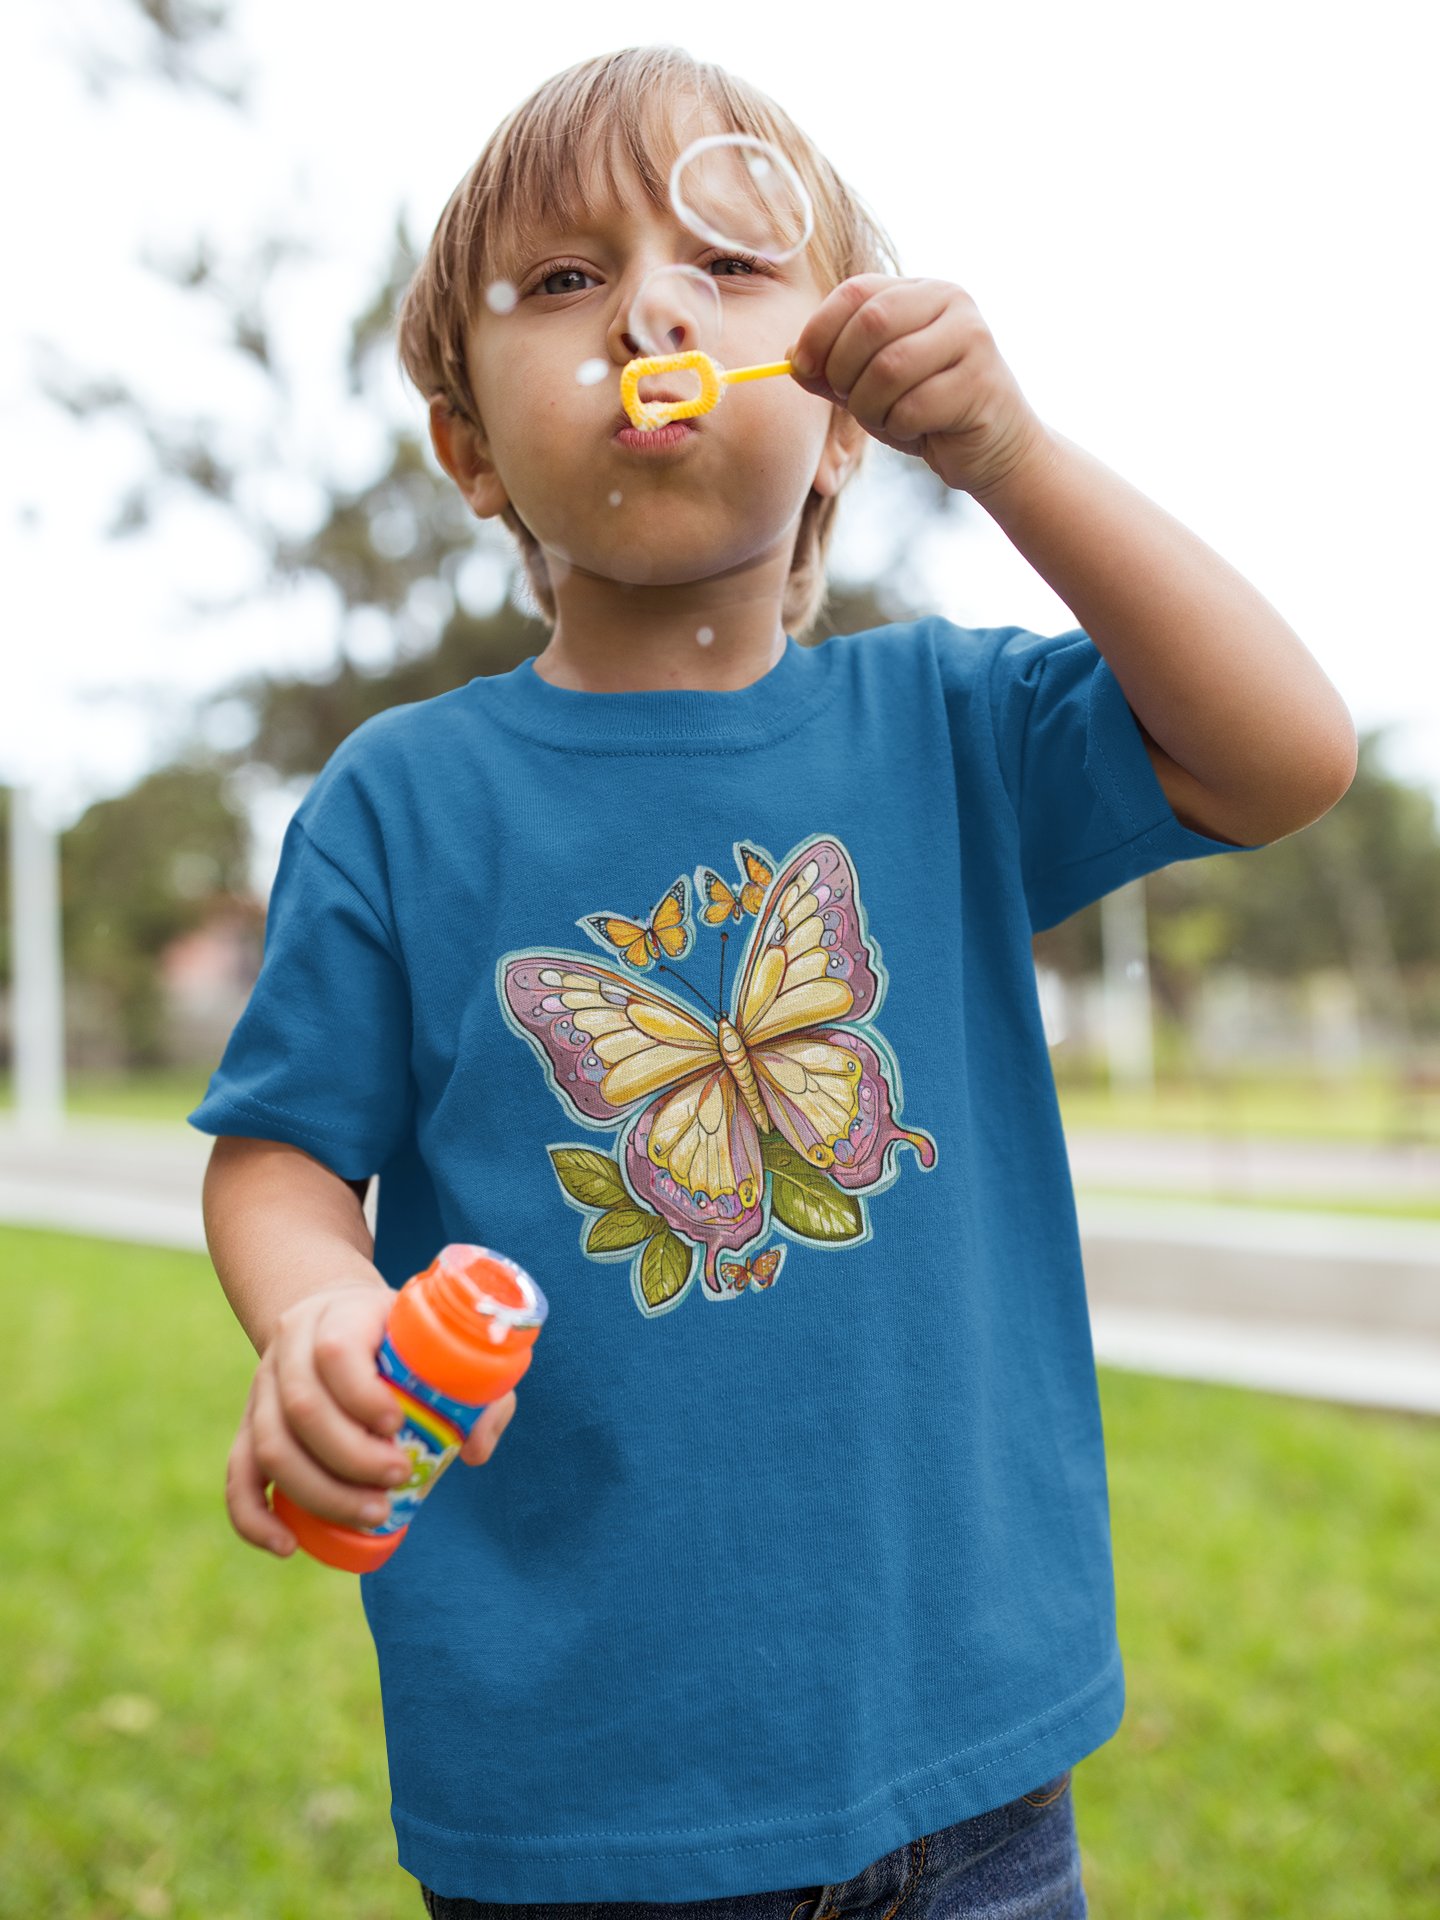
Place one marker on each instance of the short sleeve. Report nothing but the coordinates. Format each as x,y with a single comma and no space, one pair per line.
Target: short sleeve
320,1057
1090,810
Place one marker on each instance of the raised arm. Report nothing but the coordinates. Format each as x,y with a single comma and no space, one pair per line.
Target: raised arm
293,1253
1248,738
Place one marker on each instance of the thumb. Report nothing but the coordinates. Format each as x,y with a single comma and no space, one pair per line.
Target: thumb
485,1434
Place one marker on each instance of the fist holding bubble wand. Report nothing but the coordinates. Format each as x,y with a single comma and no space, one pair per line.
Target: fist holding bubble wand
741,193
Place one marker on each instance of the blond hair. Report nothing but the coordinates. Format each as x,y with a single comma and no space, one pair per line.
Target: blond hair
617,111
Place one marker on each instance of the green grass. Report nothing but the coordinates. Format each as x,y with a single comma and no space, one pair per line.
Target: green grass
1298,1109
166,1093
188,1729
1400,1207
1279,1589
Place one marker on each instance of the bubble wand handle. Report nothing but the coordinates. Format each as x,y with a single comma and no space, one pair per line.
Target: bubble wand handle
767,372
647,415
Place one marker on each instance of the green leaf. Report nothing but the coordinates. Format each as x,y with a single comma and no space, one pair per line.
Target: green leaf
664,1268
591,1178
623,1226
805,1199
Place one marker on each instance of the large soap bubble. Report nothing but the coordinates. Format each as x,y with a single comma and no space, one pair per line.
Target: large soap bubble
736,191
677,310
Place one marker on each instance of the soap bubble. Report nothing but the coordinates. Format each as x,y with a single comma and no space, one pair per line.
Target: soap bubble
616,498
736,191
501,297
590,372
677,310
704,635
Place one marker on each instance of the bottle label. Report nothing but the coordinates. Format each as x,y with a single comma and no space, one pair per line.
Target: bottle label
432,1433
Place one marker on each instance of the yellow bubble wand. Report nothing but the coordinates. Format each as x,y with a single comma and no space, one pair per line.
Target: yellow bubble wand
647,415
764,172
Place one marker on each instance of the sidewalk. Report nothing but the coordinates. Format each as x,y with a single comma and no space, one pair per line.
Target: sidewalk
118,1180
1325,1305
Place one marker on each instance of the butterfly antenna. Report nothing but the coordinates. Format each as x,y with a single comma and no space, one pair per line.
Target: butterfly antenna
724,942
662,968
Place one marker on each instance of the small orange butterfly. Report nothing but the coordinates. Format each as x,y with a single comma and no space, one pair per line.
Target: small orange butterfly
668,930
723,902
761,1268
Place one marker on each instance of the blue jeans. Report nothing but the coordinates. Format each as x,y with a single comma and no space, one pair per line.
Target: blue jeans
1018,1862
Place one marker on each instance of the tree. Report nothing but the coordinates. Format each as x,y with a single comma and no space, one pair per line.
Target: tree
136,873
1359,889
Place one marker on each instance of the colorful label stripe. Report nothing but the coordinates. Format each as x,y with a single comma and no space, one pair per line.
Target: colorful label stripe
432,1433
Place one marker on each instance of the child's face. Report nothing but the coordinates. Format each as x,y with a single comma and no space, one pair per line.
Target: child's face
692,502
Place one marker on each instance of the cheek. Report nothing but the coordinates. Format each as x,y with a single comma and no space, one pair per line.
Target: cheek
781,430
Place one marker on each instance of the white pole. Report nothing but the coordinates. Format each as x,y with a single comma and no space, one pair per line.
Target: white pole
37,998
1129,1038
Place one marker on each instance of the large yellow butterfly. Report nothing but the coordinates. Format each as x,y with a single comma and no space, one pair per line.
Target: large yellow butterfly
667,931
696,1097
725,904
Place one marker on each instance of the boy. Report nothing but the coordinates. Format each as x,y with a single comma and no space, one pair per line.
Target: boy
803,1604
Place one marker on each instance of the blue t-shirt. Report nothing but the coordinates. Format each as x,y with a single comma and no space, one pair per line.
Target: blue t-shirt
797,1547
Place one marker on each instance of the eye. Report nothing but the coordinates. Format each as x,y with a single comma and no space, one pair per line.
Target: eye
568,280
731,264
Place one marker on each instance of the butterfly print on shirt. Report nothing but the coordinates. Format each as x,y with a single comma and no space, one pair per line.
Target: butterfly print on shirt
778,1112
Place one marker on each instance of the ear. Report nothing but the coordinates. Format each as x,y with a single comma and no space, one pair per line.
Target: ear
461,448
837,456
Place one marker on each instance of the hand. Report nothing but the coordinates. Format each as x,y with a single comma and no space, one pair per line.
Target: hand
318,1420
915,364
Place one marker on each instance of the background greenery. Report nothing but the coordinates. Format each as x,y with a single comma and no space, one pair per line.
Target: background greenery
189,1729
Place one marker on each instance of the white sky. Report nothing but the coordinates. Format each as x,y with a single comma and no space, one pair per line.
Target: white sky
1205,239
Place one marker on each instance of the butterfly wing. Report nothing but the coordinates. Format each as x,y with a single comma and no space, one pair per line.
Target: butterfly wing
809,959
734,1274
811,1086
607,1043
720,903
668,930
670,922
766,1266
830,1095
694,1155
630,941
759,871
811,963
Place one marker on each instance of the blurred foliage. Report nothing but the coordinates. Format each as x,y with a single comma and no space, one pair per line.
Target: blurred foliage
1360,889
136,873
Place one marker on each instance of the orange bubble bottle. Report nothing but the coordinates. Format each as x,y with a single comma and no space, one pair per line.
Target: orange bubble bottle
458,1337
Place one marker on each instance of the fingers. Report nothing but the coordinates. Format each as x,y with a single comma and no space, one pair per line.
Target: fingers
904,333
909,359
282,1459
329,1339
245,1500
810,355
485,1435
346,1338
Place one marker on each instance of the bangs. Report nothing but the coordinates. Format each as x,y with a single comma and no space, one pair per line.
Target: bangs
607,127
604,126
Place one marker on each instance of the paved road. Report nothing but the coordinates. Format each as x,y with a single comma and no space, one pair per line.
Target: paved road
117,1180
1217,1167
1333,1306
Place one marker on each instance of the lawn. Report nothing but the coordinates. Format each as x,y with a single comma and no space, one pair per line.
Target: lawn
188,1729
1300,1108
161,1093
